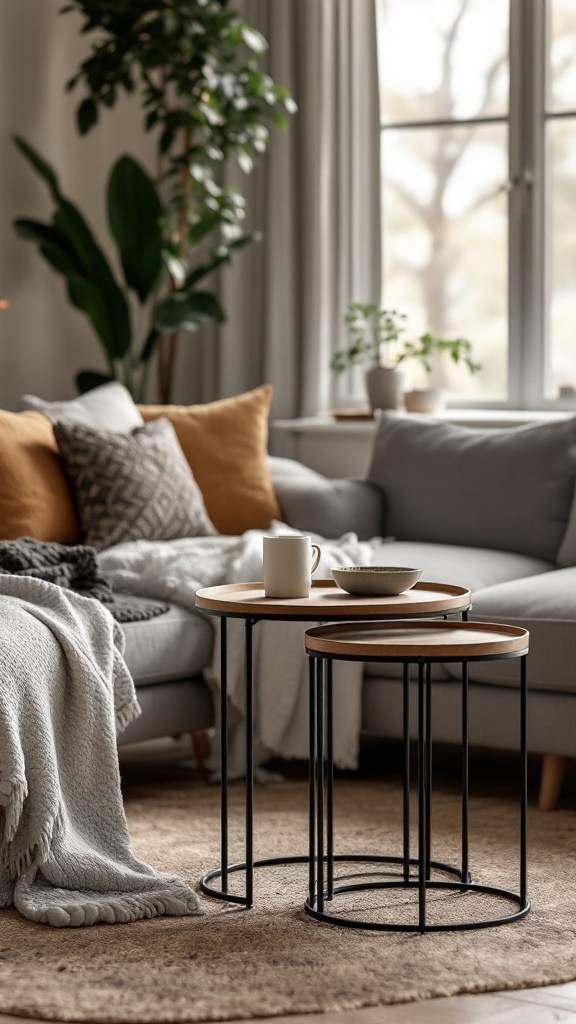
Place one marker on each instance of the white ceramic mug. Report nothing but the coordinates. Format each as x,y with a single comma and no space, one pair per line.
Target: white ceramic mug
289,561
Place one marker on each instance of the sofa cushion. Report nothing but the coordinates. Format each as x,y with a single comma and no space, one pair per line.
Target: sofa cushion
505,489
170,709
471,567
107,407
545,605
226,445
175,645
567,551
35,497
131,486
313,503
474,568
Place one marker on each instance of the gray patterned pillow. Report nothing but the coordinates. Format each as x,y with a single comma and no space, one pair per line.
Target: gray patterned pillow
135,486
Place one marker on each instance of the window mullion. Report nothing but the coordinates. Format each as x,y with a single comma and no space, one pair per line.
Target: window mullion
527,173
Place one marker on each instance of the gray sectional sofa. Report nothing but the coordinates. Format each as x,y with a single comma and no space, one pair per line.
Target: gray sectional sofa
492,510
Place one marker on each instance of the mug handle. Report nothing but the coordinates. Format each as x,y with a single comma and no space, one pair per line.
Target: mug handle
316,555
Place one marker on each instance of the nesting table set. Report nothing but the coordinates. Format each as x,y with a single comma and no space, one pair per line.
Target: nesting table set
411,628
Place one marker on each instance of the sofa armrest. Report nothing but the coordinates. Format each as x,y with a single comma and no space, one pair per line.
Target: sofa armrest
316,504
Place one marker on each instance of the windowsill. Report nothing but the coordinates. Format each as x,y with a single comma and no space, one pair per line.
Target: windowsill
326,423
340,448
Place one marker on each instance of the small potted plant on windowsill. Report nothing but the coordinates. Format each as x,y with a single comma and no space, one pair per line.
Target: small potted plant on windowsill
427,349
375,340
374,335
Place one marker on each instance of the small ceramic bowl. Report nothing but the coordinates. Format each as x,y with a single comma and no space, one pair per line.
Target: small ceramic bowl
375,580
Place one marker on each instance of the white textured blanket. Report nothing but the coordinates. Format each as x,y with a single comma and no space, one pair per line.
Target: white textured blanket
65,856
175,570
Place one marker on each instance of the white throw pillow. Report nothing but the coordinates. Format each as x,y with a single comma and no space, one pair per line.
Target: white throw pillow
108,407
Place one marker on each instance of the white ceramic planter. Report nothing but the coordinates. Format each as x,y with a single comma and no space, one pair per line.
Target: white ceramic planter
427,400
385,387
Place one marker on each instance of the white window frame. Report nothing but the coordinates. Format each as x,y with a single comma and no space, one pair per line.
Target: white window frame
528,285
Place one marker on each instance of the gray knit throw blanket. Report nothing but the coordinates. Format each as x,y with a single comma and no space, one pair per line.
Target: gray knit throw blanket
75,568
65,690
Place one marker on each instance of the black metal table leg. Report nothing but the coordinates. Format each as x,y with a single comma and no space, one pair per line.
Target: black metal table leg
524,784
465,776
406,779
329,783
421,799
320,782
249,676
224,754
312,779
428,746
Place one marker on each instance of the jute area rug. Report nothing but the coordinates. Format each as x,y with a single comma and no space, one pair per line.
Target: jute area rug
231,963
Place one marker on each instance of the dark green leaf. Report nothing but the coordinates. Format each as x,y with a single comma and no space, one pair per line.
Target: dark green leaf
239,243
134,212
210,220
96,271
57,259
113,328
219,256
86,116
166,140
37,231
86,380
188,311
109,97
40,165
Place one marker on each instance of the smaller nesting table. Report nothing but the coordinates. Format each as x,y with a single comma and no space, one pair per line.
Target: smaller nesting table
419,643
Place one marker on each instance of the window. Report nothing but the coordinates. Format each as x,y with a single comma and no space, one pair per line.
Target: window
478,108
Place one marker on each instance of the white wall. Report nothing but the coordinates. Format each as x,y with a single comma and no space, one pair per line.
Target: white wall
43,340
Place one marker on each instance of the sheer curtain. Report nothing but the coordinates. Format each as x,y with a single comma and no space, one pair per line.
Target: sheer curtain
316,198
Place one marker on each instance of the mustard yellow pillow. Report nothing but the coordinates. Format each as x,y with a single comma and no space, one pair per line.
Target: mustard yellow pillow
226,445
35,499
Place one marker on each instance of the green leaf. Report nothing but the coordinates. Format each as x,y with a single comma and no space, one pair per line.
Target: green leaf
86,116
203,227
53,244
219,256
95,269
86,380
112,325
40,165
134,212
71,249
188,311
57,259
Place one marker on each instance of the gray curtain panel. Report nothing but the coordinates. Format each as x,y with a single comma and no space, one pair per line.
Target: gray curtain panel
316,198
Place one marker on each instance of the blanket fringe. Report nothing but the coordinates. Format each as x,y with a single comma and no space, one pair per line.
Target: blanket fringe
126,714
13,792
172,900
39,852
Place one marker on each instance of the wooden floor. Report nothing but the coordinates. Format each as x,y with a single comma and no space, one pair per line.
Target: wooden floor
529,1006
555,1004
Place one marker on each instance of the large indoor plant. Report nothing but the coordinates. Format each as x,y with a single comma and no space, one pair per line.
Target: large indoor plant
195,67
376,342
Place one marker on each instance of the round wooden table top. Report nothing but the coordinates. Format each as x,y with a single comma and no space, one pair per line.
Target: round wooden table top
434,640
328,601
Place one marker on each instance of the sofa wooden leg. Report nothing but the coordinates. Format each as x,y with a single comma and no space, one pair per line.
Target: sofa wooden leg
553,771
201,747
